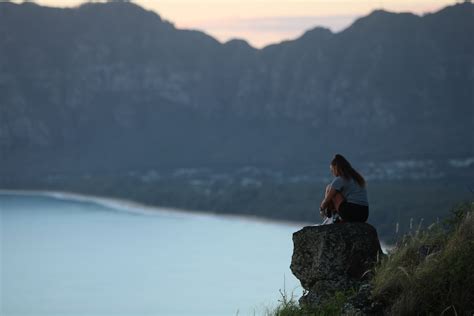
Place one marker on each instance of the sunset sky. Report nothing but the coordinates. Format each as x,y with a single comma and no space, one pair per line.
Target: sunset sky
262,22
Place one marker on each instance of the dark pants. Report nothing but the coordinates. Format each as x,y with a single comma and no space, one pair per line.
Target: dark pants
350,212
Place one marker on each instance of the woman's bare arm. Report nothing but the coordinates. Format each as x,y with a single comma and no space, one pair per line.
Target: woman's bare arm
330,194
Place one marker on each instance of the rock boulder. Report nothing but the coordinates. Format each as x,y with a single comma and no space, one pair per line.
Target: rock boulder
332,258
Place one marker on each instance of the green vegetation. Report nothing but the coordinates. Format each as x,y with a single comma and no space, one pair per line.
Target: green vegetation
431,271
290,307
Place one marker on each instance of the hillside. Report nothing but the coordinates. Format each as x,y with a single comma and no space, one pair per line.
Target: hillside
111,100
111,86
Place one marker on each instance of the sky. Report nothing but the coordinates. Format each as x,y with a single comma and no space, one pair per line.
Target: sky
264,22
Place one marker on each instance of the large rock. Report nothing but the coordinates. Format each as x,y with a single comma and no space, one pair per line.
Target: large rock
332,258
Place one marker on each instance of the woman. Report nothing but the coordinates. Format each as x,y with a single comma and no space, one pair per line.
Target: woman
347,194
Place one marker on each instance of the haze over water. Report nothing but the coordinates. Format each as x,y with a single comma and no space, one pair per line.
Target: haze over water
68,257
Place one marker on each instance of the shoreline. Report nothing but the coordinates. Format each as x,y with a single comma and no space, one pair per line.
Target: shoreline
133,207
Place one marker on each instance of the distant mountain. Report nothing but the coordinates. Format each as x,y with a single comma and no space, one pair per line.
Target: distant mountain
108,86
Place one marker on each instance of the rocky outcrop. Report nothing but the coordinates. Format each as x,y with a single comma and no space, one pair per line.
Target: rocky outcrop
331,258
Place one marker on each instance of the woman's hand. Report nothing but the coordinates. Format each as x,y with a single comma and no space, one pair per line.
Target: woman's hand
322,212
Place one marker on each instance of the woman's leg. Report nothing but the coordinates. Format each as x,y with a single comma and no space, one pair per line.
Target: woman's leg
331,208
335,201
350,212
338,199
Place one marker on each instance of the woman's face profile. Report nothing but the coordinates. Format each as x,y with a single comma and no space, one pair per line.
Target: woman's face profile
333,170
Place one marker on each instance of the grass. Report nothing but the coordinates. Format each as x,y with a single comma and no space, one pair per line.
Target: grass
289,306
431,271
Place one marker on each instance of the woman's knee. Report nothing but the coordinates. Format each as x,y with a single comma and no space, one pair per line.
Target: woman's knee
328,187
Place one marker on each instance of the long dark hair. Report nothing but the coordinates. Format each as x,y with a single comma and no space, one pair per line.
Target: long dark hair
345,170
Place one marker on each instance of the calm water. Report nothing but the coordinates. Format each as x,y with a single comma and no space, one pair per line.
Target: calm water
67,257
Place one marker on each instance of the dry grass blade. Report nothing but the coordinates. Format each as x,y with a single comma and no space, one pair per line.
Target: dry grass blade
404,271
448,308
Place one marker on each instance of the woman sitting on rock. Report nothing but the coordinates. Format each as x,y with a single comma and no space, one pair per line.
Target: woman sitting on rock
346,196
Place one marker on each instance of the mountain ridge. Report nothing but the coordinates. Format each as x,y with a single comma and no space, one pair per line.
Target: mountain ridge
78,90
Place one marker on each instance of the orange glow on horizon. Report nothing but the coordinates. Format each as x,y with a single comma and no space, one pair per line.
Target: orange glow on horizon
262,22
